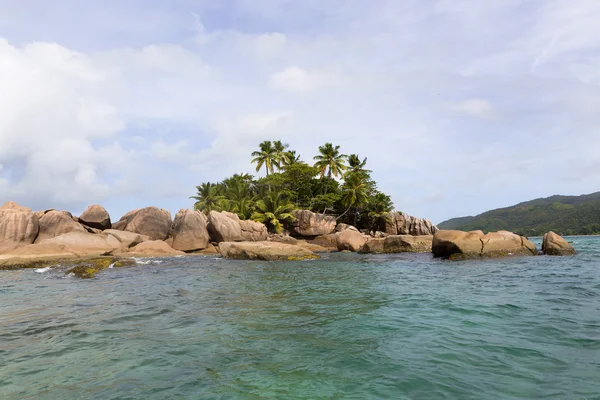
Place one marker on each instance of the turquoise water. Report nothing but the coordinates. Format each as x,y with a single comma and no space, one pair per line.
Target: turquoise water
347,326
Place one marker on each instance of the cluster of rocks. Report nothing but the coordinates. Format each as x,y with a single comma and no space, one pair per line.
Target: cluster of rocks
53,234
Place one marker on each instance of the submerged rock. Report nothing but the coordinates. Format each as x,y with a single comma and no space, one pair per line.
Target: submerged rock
87,269
460,245
555,245
268,251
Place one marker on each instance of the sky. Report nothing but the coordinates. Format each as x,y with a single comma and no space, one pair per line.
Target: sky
460,106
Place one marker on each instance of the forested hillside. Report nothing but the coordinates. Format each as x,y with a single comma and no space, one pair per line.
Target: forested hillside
565,215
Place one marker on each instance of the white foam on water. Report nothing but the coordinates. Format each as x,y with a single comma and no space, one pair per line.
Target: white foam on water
43,270
112,265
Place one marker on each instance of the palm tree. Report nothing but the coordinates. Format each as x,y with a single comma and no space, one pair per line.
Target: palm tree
280,158
265,156
355,165
208,197
273,210
355,192
239,195
291,158
330,160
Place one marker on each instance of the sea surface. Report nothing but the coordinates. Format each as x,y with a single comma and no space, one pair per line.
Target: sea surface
347,326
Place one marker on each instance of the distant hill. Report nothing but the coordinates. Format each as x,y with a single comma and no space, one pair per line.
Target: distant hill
565,215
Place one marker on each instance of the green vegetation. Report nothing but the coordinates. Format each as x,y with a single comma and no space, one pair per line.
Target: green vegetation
336,184
565,215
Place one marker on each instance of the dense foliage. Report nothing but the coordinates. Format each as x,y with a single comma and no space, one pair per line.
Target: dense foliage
565,215
336,184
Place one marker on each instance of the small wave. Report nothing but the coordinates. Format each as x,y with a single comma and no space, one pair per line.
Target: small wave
146,261
43,270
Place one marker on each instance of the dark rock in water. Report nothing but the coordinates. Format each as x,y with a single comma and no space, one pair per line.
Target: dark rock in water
555,245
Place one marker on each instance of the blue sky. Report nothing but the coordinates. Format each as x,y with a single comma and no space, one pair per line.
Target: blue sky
460,105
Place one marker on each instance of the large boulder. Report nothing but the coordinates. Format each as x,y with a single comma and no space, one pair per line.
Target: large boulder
224,227
188,231
351,240
155,248
149,221
555,245
328,241
398,244
504,243
268,251
310,224
253,231
460,245
56,223
95,216
19,226
401,224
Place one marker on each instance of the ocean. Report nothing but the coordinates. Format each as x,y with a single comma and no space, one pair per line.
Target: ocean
348,326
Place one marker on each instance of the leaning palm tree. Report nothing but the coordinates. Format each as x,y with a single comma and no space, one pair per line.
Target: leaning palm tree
355,193
208,198
280,158
265,156
273,210
330,160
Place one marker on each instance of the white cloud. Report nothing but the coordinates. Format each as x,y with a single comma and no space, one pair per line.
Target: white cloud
478,108
150,109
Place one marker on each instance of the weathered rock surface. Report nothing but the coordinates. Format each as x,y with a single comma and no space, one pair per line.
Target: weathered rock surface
56,223
149,221
302,243
328,241
72,244
223,227
459,245
268,251
253,231
351,240
189,231
155,248
95,216
19,226
342,227
310,224
398,244
555,245
402,224
127,239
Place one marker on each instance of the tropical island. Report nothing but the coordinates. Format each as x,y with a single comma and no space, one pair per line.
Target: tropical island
336,184
295,212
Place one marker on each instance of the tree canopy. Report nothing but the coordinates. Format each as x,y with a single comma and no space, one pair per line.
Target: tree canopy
336,184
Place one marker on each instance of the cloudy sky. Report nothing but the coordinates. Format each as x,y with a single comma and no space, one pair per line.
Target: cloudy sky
460,105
